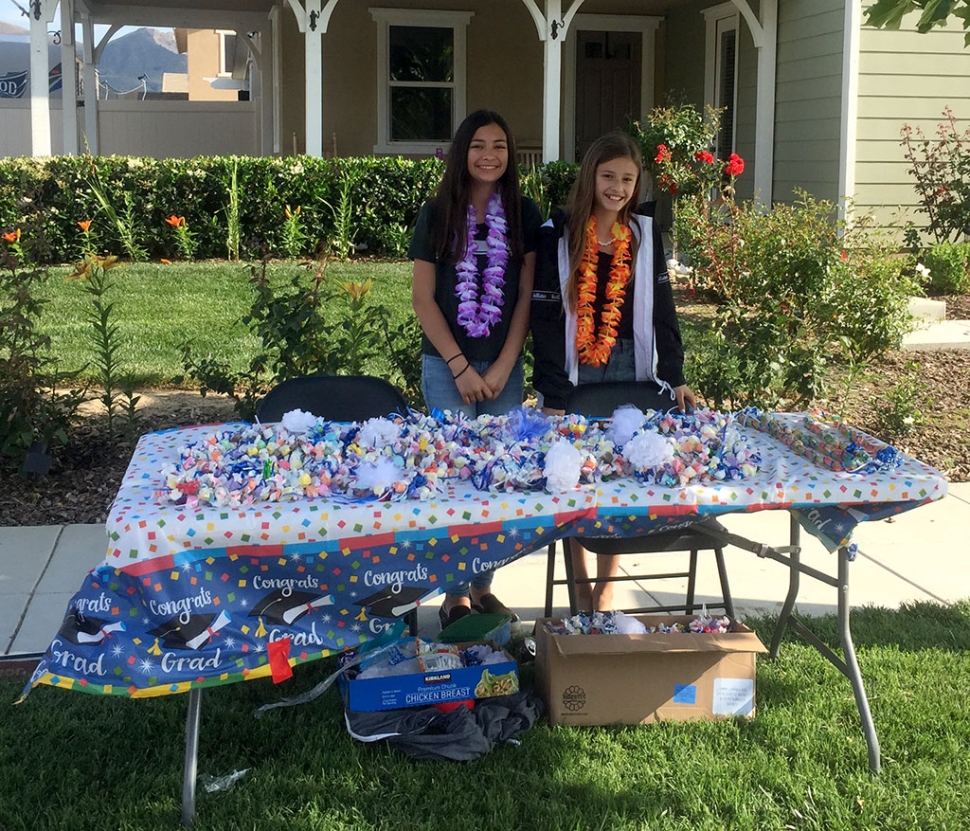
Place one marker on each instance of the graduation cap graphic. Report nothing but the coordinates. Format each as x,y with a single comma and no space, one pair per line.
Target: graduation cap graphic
284,607
87,631
189,631
385,603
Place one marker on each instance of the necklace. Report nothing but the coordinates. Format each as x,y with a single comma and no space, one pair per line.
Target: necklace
594,349
480,307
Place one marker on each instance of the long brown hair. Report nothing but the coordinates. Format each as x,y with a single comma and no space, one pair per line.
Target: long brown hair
581,199
448,234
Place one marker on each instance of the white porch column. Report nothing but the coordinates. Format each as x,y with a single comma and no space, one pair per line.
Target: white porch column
313,21
314,80
90,87
41,13
552,82
765,35
552,27
68,79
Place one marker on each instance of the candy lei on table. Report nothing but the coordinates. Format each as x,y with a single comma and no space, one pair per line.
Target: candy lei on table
827,441
480,306
594,350
411,457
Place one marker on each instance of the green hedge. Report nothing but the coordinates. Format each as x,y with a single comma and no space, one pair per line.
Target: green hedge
50,196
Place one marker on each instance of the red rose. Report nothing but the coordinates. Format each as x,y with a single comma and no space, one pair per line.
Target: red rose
704,156
663,154
734,166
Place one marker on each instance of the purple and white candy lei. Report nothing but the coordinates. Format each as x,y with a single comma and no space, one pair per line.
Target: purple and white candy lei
480,308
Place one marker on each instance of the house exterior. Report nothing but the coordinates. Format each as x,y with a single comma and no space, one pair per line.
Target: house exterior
814,100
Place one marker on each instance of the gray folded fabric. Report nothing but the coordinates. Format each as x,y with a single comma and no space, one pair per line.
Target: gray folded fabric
459,735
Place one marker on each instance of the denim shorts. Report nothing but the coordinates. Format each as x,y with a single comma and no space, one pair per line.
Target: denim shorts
440,390
620,367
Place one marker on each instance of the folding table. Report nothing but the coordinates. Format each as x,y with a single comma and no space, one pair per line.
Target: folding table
188,599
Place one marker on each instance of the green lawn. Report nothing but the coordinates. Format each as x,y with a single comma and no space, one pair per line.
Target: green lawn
158,307
74,761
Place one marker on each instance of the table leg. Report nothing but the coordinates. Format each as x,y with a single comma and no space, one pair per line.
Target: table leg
794,575
190,769
852,665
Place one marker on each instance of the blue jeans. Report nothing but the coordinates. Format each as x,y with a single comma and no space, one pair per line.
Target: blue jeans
440,390
620,367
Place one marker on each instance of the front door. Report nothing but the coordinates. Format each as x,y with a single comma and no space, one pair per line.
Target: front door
608,72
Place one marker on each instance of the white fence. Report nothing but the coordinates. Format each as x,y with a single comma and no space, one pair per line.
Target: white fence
159,129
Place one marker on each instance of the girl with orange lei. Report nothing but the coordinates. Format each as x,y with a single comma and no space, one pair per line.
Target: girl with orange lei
602,306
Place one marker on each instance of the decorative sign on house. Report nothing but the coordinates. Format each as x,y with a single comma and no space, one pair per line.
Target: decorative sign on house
15,67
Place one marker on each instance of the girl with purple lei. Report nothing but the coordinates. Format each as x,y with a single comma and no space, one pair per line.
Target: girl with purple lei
474,255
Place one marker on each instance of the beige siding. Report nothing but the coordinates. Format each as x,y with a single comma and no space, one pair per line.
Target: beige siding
808,98
904,78
203,62
504,72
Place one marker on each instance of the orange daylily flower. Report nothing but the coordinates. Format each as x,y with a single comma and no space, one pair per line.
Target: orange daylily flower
84,225
12,236
175,221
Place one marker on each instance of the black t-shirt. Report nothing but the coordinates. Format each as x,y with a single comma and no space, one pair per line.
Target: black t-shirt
421,248
604,263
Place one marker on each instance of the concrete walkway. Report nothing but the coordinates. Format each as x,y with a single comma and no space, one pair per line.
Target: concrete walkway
923,555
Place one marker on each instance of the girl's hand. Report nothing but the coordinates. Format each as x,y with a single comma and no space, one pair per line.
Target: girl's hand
685,398
496,378
472,386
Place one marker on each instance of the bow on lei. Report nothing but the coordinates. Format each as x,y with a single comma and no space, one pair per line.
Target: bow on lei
480,302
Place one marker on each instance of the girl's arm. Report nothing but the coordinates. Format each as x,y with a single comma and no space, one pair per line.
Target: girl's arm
498,373
470,384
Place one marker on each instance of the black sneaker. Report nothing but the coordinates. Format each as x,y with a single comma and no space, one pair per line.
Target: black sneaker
491,605
448,616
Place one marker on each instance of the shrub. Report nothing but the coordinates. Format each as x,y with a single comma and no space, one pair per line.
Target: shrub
792,292
949,267
309,325
374,200
33,408
941,168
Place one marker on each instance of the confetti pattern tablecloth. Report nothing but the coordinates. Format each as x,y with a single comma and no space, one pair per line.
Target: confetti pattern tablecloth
199,598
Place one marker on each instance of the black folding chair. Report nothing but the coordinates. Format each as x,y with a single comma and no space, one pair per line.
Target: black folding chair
600,401
333,397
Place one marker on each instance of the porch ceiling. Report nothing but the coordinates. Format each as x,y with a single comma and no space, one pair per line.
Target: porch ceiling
165,9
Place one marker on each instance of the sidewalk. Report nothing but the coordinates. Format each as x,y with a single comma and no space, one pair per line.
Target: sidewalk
921,555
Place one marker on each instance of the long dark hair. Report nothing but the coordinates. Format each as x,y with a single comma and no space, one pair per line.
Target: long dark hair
580,207
448,235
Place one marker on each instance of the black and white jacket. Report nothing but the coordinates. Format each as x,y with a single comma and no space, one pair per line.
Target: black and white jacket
658,349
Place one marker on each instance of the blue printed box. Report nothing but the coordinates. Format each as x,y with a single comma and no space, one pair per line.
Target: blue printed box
425,689
638,679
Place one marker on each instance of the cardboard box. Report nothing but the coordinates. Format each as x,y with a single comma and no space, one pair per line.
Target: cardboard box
424,689
638,679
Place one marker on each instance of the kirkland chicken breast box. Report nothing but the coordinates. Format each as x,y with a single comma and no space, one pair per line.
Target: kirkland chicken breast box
599,679
416,673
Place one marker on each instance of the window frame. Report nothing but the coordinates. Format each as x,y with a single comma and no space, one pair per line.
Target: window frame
225,67
719,19
385,19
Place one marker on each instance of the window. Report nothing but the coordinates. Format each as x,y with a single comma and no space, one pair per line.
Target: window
721,71
227,52
421,78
